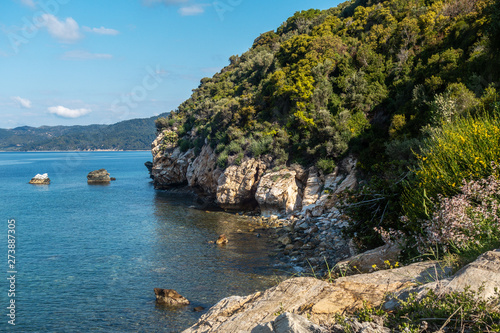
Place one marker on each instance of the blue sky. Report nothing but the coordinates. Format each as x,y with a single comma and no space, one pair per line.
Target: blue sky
79,62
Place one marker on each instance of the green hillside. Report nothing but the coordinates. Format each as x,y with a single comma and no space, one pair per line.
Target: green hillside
135,134
372,78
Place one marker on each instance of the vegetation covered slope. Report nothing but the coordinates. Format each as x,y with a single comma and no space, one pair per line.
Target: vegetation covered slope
134,134
374,78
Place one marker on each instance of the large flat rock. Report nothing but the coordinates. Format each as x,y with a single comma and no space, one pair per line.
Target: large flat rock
315,299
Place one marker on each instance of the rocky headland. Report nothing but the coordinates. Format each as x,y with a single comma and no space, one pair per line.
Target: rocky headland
300,207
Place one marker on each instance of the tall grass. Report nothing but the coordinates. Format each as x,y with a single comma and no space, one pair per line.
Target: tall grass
462,150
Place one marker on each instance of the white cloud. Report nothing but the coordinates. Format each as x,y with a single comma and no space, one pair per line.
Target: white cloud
102,31
22,102
29,3
66,31
61,111
192,10
84,55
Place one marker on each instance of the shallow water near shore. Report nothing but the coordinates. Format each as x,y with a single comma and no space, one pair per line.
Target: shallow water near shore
88,257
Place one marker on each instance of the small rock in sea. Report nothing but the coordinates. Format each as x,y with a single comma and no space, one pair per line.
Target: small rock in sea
40,179
222,240
211,242
100,176
169,297
198,309
112,178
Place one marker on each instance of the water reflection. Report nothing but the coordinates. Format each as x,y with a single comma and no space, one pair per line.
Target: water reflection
203,272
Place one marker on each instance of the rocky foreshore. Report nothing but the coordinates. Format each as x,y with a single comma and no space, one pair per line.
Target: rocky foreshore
310,304
299,206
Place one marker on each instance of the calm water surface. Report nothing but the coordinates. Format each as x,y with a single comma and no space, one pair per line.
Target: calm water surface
89,256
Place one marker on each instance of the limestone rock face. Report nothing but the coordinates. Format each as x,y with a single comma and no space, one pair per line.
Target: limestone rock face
343,178
238,184
100,176
170,169
317,300
277,192
313,188
170,297
40,179
289,323
203,171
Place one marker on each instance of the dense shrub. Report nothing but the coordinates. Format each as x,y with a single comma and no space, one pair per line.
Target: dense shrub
459,150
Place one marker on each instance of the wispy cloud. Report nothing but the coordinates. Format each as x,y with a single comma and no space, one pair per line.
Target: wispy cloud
29,3
102,31
64,112
66,31
22,102
192,10
84,55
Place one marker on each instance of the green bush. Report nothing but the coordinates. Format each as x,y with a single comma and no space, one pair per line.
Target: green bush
462,150
234,148
222,160
184,145
326,165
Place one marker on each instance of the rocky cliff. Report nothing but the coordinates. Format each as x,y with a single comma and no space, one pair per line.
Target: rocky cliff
251,183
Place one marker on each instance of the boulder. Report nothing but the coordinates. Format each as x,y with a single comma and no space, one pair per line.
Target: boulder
169,297
277,192
237,185
289,323
40,179
364,262
318,300
100,176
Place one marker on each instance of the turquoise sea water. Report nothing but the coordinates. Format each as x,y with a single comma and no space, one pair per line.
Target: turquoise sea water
88,257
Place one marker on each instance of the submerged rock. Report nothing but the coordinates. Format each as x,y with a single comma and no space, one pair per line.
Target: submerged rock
222,240
170,297
100,176
40,179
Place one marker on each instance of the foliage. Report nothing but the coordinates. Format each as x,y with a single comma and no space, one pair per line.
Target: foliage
461,150
467,221
135,134
381,80
459,311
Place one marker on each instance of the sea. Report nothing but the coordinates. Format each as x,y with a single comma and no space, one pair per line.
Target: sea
86,258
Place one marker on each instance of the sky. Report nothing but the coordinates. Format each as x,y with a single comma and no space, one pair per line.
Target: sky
80,62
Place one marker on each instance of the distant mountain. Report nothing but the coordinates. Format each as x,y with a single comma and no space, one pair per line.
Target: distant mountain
134,134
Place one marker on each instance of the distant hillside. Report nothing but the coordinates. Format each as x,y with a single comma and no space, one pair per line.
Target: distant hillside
134,134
